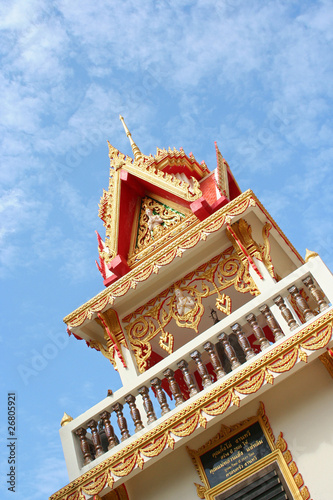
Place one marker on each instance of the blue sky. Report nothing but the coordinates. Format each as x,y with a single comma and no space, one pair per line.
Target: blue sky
254,76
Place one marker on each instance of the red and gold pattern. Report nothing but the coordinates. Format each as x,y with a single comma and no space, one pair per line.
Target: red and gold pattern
216,401
161,312
169,252
77,495
252,384
98,483
281,444
148,170
169,216
219,406
163,257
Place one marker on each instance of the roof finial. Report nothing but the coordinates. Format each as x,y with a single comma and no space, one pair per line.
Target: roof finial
136,151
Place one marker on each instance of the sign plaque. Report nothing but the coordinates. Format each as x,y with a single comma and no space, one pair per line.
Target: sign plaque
235,454
239,457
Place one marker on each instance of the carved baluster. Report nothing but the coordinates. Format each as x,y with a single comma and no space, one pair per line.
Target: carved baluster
161,397
147,404
92,424
229,350
189,380
301,303
112,440
286,313
102,435
316,294
135,414
206,380
214,359
272,323
259,334
122,424
85,448
243,342
174,387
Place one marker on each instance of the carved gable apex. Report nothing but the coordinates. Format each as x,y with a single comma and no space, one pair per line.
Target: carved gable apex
156,221
131,181
175,183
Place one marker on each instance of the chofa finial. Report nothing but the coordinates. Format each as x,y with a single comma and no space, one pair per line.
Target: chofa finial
136,151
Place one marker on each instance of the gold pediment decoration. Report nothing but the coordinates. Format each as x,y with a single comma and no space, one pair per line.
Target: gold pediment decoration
155,219
222,174
181,305
149,171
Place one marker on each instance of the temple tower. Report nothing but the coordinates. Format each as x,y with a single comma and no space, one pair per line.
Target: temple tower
221,334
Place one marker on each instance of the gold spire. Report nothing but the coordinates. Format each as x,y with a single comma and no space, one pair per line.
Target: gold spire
65,419
136,151
309,255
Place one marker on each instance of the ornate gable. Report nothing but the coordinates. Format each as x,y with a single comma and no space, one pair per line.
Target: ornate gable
154,221
149,199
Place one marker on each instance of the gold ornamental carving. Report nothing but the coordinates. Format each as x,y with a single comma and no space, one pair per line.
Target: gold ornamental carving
155,219
327,360
310,254
245,241
108,206
222,174
113,336
168,252
183,303
146,169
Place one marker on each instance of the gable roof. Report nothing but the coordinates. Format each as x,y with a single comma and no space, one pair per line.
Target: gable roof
172,179
130,179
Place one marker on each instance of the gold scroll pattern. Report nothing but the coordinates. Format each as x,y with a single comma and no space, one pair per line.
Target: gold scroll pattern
111,321
209,279
169,216
217,401
163,257
108,205
282,445
261,252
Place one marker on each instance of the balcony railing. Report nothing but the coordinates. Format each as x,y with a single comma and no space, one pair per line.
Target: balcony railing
220,350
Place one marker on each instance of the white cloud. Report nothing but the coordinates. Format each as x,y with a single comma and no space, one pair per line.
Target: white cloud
17,210
45,477
70,68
